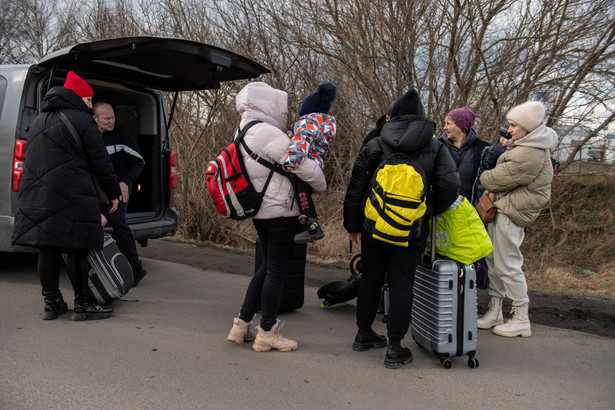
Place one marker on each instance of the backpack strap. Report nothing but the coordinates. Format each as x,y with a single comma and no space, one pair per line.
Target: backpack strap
274,167
239,141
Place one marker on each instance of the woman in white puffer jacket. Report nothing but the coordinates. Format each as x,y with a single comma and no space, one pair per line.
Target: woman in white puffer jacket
277,220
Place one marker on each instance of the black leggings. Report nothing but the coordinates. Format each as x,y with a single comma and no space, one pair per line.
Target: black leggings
278,245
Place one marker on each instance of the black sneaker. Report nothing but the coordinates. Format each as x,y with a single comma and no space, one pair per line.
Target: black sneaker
92,311
139,276
313,231
366,341
397,356
54,308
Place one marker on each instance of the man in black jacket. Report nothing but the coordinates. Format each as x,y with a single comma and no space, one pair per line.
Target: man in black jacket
128,164
58,209
406,130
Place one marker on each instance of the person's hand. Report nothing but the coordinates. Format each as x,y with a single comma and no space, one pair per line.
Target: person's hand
114,203
124,189
354,237
503,141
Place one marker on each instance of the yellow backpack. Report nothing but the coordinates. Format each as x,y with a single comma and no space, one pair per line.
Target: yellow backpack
396,200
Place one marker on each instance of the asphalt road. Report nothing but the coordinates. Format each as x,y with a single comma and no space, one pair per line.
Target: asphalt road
165,347
572,312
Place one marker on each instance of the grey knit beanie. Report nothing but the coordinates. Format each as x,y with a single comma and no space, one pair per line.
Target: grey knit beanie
528,115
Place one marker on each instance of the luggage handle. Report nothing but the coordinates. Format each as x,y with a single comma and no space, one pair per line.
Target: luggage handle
433,239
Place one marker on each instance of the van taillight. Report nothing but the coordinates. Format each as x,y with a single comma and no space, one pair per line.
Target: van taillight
173,173
18,157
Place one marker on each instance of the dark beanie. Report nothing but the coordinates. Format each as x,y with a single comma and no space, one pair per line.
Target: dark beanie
407,104
464,118
320,100
78,85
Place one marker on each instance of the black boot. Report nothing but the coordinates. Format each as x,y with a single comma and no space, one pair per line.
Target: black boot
87,309
397,356
138,275
313,231
54,307
368,339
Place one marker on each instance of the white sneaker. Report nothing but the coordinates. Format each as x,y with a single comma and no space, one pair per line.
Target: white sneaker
272,339
240,332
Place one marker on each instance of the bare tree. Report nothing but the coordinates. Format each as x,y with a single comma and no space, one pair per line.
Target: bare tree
488,55
33,28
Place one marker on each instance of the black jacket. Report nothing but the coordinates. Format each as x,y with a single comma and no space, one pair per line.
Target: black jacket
467,159
124,152
58,206
412,135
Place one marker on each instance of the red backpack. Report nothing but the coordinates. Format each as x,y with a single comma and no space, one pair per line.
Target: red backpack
229,184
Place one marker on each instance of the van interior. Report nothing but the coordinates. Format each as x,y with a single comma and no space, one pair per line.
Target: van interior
140,112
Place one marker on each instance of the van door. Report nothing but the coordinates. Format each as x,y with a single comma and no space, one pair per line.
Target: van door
165,64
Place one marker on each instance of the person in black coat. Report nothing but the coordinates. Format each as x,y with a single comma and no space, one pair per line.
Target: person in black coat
128,164
58,208
405,130
466,148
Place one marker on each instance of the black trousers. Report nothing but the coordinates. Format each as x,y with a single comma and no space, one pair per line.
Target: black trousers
123,235
49,263
379,258
278,245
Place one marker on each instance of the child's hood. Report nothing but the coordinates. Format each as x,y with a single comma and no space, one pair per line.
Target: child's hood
325,122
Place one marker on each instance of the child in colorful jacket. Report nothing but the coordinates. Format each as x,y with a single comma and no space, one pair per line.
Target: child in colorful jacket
310,137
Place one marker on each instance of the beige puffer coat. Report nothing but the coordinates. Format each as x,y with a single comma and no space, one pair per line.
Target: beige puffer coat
260,101
522,177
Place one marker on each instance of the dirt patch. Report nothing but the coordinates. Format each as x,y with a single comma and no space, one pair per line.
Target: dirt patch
574,312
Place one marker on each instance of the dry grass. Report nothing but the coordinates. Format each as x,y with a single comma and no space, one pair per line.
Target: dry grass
572,281
575,233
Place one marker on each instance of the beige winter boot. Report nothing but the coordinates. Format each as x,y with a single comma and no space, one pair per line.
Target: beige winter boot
519,325
241,331
493,316
272,339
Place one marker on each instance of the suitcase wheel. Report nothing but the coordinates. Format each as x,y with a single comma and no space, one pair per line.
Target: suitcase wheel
473,362
446,362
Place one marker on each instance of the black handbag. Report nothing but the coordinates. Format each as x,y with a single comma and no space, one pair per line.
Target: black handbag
103,200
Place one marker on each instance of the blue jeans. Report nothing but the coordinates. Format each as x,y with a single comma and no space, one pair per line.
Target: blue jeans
278,245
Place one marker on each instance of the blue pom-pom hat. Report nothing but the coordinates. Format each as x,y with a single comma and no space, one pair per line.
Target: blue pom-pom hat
320,100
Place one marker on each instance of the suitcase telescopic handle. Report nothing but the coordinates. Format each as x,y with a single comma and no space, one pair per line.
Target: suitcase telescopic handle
433,239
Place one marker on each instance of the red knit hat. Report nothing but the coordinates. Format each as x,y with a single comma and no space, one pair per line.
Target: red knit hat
78,85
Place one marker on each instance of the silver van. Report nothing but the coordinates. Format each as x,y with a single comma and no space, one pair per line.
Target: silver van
131,74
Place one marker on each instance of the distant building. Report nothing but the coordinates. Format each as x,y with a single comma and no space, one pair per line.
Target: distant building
571,137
